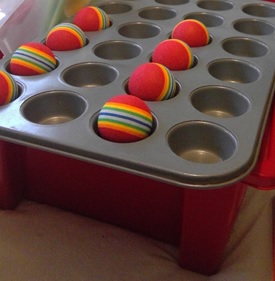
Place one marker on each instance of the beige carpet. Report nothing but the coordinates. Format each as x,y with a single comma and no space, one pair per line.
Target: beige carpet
42,243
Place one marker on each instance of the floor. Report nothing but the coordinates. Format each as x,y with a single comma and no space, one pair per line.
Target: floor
39,242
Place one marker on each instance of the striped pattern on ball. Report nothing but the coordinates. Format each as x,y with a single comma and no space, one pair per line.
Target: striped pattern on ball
103,19
204,28
188,52
126,119
60,34
92,19
174,54
152,82
8,91
34,59
169,88
192,32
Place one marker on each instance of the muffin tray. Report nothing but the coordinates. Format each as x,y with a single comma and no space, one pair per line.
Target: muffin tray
207,136
263,175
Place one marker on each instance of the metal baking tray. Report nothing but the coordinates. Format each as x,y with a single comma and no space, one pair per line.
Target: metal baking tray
207,136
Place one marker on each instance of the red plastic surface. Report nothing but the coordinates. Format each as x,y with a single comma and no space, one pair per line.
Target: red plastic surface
273,236
132,202
199,222
207,222
263,175
11,177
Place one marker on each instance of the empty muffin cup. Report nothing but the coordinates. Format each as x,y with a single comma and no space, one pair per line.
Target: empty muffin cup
52,108
245,47
115,8
157,13
172,2
89,74
215,5
139,30
259,10
117,50
233,71
254,27
201,142
219,101
209,20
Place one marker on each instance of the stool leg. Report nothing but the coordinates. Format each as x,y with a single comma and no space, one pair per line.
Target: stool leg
207,221
273,237
11,175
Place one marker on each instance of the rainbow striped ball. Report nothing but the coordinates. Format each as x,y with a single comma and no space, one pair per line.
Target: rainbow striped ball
8,88
192,32
65,37
92,19
152,82
32,59
125,118
174,54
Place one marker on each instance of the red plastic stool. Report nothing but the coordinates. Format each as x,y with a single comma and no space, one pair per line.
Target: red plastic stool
199,222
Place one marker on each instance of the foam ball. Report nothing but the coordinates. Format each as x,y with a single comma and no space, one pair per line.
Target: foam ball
174,54
91,19
192,32
32,58
125,118
8,88
65,37
152,82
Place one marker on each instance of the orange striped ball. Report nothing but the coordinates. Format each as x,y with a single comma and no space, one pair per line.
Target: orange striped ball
152,82
65,37
8,88
174,54
192,32
32,58
92,19
125,118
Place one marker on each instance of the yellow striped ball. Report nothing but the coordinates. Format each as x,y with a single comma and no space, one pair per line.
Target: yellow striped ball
192,32
92,19
152,82
174,54
32,58
8,88
125,118
65,37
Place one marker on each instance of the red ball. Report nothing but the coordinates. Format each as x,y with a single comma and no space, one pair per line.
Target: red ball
8,88
92,19
32,58
174,54
152,82
65,37
192,32
125,118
